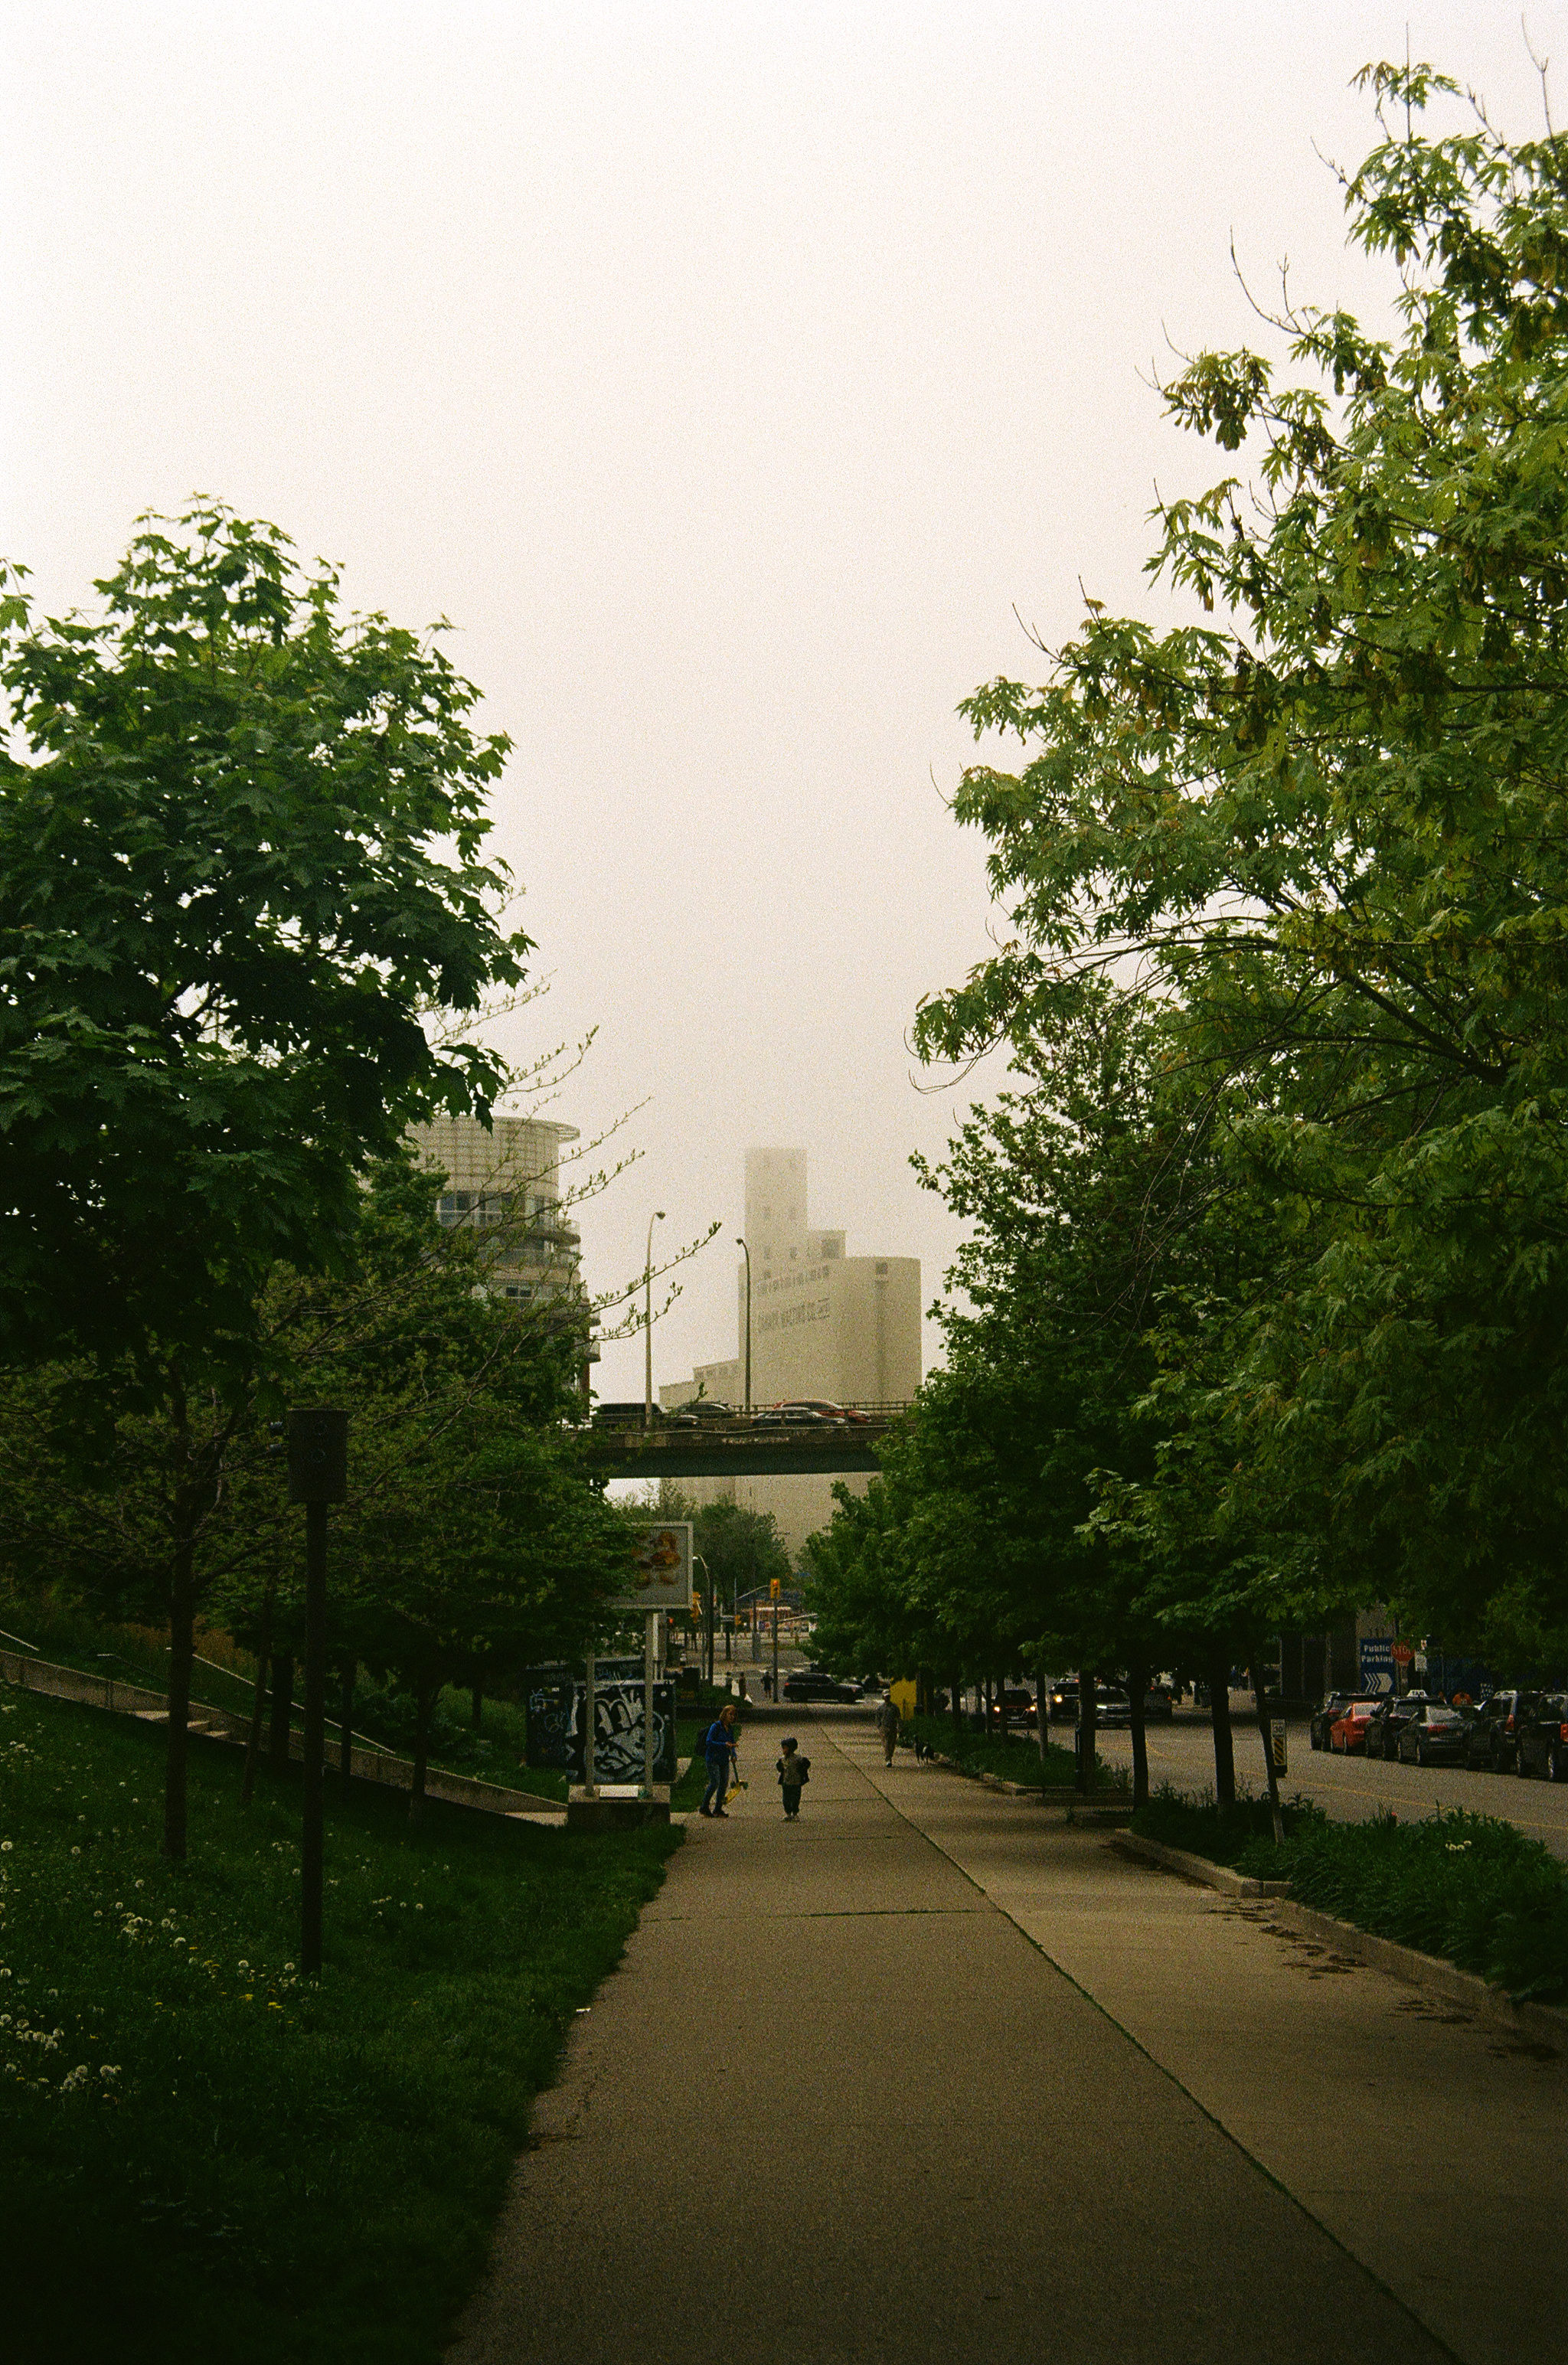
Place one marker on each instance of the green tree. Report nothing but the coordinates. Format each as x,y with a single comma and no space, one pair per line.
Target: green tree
1326,828
240,856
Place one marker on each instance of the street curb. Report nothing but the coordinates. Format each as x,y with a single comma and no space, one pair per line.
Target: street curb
1431,1973
1198,1868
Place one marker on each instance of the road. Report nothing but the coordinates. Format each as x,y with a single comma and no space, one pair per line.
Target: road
1350,1789
934,2078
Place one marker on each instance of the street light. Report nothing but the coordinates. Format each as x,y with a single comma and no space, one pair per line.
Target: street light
746,1253
656,1218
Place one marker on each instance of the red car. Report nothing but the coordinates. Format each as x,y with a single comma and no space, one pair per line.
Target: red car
1348,1732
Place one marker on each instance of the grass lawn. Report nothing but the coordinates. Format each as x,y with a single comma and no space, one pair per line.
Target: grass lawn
198,2154
1470,1888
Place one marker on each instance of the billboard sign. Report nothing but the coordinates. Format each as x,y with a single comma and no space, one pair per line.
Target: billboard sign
662,1578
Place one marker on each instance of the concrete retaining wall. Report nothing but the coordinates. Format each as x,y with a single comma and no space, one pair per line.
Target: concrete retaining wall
221,1724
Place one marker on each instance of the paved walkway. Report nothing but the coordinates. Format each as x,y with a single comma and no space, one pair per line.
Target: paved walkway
929,2077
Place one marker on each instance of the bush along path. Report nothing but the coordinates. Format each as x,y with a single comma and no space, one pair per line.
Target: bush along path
1469,1888
199,2154
1016,1760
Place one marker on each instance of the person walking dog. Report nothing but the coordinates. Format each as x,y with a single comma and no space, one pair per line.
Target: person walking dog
794,1772
888,1726
719,1750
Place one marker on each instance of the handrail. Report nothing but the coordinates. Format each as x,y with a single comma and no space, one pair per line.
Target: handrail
16,1638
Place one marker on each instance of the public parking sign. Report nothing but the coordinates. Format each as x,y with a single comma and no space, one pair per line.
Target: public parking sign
1376,1655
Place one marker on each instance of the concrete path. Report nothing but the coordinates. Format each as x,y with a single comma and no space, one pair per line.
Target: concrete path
923,2077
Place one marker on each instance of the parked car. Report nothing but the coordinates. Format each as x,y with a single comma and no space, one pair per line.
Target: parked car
1543,1736
805,1686
1388,1721
1334,1708
1433,1735
829,1410
1348,1734
1493,1742
795,1416
1157,1705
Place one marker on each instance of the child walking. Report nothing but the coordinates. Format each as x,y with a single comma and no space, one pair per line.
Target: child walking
794,1772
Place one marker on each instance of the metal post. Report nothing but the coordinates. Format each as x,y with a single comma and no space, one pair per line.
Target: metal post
318,1475
656,1218
776,1654
648,1624
310,1837
747,1252
590,1706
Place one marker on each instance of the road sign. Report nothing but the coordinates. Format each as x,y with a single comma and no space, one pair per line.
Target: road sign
1402,1654
1375,1653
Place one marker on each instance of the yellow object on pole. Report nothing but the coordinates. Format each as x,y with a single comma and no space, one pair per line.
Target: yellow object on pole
773,1588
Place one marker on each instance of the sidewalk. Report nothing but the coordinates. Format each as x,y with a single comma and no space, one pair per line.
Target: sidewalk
865,2087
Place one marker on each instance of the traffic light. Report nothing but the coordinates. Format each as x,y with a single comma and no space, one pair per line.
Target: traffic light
773,1588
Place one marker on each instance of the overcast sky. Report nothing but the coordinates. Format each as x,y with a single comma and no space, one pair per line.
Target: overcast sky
728,375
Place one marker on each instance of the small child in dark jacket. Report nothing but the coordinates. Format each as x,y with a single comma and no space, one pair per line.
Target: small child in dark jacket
794,1772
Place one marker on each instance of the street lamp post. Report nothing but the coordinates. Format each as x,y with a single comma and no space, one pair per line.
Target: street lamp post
698,1562
656,1218
746,1253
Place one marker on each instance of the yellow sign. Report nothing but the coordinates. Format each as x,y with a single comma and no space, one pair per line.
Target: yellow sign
695,1604
903,1696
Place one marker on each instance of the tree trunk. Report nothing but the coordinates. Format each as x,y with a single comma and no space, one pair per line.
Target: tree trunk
1138,1685
1041,1706
1256,1674
182,1652
425,1694
478,1702
1219,1712
1084,1780
1002,1709
957,1703
345,1722
258,1704
283,1701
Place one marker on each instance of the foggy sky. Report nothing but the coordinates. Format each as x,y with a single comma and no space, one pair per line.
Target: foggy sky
728,375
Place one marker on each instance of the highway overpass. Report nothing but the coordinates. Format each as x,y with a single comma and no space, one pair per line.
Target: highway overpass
739,1447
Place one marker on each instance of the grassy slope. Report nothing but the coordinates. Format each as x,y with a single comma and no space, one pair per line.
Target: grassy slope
271,2171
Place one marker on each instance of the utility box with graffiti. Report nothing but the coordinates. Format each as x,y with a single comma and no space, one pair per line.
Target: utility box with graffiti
618,1755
